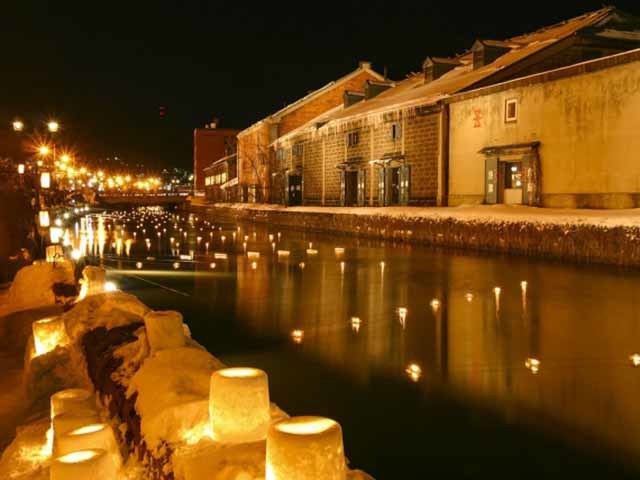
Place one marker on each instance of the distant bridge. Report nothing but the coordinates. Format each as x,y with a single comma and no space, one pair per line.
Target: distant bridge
142,198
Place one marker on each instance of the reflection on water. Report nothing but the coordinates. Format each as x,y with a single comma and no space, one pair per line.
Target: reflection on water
522,336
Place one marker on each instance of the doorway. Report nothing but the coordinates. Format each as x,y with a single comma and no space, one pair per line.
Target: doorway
294,190
511,191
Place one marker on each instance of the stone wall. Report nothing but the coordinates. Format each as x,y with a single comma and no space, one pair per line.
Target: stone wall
578,243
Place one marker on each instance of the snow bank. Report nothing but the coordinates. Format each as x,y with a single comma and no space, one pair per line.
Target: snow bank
37,285
107,310
173,391
164,330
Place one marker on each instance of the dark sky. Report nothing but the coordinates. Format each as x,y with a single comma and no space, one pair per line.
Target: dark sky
104,68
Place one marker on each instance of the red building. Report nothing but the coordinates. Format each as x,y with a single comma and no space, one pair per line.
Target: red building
210,144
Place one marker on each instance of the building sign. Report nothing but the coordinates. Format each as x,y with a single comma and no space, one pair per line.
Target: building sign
477,118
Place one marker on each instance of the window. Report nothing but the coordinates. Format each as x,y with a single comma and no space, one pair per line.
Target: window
280,154
395,131
353,138
297,150
511,110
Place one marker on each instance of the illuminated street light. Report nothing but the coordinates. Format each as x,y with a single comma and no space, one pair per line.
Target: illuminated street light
53,126
21,168
43,150
18,126
65,158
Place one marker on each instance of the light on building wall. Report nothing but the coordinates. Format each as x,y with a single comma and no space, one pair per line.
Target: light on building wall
53,126
18,125
21,168
45,180
55,234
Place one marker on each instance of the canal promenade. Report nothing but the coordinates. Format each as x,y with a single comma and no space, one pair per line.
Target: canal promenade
586,236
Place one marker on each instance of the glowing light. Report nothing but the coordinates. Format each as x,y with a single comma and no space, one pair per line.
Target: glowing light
43,150
110,287
220,256
301,265
48,334
402,315
283,253
84,464
635,359
239,406
21,168
311,251
468,297
43,218
55,233
212,265
53,126
496,292
271,237
297,336
435,305
18,125
305,448
533,364
339,251
176,265
355,324
253,255
342,264
76,254
414,371
254,265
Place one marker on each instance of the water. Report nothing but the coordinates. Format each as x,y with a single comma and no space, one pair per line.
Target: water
433,361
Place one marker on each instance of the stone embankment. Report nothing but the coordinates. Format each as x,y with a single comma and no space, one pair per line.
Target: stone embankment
600,237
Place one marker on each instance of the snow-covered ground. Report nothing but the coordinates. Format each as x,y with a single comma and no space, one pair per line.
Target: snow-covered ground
467,213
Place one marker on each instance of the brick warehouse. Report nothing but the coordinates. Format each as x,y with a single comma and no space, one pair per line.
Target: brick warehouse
259,179
389,144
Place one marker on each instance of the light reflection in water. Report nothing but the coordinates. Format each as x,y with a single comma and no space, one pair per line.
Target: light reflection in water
587,382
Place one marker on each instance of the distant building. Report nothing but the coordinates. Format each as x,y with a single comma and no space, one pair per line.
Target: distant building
263,177
499,123
210,144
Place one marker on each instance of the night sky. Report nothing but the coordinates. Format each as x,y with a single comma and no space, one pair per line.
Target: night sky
104,68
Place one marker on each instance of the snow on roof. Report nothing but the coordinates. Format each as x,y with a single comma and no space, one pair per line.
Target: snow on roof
414,92
363,67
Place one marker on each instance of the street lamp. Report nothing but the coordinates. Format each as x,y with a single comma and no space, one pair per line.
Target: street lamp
18,125
21,168
53,126
43,150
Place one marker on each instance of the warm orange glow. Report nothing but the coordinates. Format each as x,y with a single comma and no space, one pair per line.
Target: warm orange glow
240,372
305,426
48,333
297,336
53,126
414,372
43,150
635,359
88,429
76,457
18,125
533,364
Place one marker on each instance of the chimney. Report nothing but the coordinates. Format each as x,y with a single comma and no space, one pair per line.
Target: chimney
213,124
373,89
434,67
349,97
487,51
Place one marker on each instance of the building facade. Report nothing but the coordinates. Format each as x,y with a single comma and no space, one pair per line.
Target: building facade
566,138
395,143
210,144
260,178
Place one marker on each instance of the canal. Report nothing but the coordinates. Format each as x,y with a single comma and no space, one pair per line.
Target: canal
433,361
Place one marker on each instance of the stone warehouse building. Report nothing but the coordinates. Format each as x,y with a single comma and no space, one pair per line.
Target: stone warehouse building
451,133
258,179
209,144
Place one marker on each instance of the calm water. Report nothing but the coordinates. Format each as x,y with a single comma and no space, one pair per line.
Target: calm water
428,367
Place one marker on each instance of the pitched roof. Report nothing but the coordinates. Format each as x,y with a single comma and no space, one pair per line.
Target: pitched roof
414,92
363,67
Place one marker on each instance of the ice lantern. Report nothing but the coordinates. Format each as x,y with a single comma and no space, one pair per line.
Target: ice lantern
72,400
93,436
48,333
239,405
84,465
305,448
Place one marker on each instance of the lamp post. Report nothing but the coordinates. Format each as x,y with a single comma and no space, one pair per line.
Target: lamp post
53,126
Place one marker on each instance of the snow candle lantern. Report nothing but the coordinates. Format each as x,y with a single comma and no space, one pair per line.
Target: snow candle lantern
54,252
48,333
239,408
305,448
45,180
43,218
93,436
71,400
164,330
84,465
